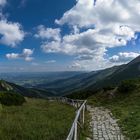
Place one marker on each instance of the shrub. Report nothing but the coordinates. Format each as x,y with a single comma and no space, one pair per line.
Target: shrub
127,86
108,88
10,98
0,107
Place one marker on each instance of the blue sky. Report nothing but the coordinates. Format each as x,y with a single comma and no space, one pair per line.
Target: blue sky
51,35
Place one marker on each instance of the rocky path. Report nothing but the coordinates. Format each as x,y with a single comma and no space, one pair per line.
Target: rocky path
103,125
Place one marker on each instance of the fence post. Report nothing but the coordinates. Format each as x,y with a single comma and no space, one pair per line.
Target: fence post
72,102
75,133
83,114
77,105
86,106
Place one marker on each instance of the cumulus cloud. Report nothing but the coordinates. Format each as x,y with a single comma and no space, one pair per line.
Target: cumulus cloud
104,28
2,2
11,33
26,55
48,33
123,57
86,45
12,55
87,13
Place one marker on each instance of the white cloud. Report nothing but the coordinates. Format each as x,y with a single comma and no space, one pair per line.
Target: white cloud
79,15
11,33
86,13
103,28
48,33
12,56
124,57
88,44
26,55
2,2
27,52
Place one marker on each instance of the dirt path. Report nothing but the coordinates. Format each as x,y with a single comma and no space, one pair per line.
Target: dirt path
103,125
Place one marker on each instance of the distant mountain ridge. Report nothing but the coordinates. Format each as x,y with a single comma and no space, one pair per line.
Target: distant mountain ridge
95,80
71,82
78,82
33,78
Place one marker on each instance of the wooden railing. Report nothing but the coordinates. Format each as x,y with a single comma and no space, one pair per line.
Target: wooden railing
80,115
74,129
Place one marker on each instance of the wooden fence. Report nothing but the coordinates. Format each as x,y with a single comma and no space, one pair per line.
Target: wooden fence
80,105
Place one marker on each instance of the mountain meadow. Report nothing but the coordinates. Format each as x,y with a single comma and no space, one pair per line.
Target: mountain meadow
36,119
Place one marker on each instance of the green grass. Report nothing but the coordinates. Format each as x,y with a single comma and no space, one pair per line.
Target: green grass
85,130
125,107
36,120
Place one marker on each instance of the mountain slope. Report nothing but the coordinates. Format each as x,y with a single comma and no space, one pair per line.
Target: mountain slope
28,79
128,71
123,72
78,82
94,80
28,92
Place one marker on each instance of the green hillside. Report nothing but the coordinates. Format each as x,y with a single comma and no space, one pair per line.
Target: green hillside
93,80
36,120
27,92
79,82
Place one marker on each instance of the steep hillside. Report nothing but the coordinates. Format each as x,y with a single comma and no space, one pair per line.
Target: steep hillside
78,82
28,92
108,78
4,86
128,71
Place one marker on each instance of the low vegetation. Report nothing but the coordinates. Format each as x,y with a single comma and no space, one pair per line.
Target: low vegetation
11,98
124,102
36,119
127,86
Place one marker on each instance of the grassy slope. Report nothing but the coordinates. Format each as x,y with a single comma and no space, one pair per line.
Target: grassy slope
125,107
36,120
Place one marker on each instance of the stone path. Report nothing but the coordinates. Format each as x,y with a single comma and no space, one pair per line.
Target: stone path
104,126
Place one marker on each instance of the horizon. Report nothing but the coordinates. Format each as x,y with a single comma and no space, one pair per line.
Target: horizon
63,70
76,35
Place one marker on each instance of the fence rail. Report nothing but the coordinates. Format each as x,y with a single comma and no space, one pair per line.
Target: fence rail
80,114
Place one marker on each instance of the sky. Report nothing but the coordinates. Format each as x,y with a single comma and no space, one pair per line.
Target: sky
72,35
